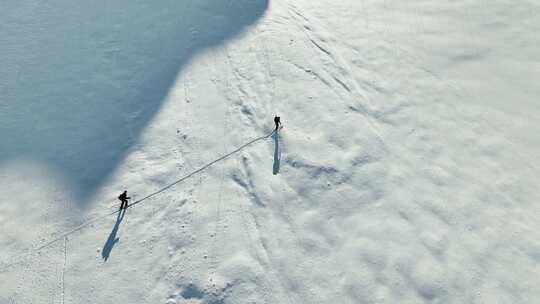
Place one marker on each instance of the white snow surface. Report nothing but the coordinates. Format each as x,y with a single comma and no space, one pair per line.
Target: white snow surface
405,171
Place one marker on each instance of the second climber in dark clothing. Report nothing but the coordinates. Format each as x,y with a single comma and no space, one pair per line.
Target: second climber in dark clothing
124,199
277,122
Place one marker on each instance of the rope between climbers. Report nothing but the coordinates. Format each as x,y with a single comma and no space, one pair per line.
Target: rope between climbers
89,222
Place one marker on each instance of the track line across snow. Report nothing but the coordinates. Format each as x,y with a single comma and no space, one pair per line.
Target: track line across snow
89,222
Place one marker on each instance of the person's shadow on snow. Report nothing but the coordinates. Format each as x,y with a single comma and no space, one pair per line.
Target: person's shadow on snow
112,239
277,153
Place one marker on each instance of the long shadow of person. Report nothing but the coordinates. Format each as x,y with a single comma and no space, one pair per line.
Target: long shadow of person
112,239
277,153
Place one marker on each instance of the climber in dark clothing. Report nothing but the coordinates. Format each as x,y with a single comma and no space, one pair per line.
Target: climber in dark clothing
277,122
124,199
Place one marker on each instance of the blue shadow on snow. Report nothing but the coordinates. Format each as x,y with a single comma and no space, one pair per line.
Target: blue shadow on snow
112,239
277,153
82,79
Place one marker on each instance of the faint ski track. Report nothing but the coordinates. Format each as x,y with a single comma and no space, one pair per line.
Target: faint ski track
251,226
175,269
268,73
249,219
341,65
242,209
262,252
271,77
64,271
213,260
290,223
273,103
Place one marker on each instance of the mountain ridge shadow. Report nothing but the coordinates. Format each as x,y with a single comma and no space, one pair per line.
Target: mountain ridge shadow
83,79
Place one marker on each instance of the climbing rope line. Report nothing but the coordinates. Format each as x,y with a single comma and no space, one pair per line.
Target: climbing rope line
139,201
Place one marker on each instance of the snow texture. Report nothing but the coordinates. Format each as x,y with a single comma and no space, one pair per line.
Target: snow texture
404,172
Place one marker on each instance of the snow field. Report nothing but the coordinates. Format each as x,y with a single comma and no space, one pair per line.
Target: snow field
406,169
